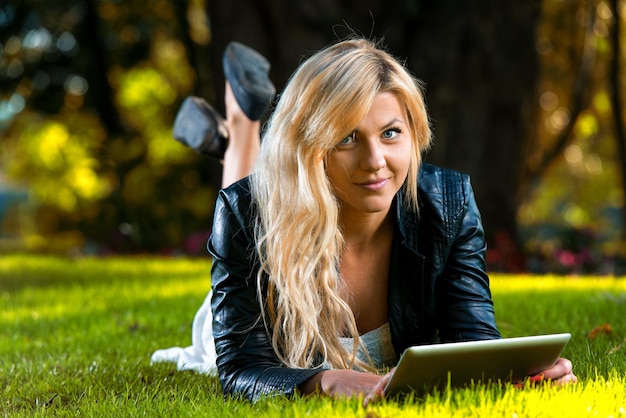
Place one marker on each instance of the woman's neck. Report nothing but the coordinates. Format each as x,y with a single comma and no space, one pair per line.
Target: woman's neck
364,268
365,229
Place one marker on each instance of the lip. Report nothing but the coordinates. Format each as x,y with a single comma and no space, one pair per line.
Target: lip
373,185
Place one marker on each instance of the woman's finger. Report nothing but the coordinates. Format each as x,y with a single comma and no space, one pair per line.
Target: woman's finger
561,369
378,391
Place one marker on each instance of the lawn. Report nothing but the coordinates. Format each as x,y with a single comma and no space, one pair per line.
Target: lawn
77,334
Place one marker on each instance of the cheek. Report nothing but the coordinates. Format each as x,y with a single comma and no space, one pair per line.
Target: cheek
401,160
336,171
339,178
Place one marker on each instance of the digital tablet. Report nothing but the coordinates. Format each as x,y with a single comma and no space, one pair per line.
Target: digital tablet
422,368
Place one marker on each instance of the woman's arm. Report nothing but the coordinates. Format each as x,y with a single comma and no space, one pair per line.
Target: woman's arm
465,308
340,383
246,362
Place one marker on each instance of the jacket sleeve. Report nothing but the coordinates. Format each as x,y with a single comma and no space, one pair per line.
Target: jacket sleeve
465,308
246,362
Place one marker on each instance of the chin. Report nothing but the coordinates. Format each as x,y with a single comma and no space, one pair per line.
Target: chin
376,207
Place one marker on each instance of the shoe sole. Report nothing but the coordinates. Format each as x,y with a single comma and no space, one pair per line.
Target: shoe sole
247,73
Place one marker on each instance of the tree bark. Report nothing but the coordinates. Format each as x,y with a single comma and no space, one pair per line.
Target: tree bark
479,62
101,90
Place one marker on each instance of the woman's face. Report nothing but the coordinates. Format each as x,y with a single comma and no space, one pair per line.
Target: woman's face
368,167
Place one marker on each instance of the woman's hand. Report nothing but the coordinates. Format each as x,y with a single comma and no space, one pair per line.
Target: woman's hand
378,391
347,383
560,373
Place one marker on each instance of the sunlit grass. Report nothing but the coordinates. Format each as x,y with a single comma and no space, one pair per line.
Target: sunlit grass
77,336
592,309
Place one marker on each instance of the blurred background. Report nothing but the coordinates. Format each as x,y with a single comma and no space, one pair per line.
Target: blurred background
527,97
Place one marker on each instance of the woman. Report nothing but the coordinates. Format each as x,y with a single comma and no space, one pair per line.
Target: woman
342,249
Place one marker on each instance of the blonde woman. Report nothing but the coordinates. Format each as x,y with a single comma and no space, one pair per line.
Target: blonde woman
341,249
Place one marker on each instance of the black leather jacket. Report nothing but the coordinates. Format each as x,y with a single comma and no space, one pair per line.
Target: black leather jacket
438,287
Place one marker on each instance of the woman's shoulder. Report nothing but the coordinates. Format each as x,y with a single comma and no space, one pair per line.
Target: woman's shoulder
433,179
238,190
237,196
444,194
233,208
445,199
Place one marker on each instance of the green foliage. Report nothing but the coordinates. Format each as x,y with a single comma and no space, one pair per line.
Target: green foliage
57,157
581,189
78,335
97,182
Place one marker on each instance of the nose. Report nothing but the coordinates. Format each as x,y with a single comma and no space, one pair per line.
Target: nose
372,156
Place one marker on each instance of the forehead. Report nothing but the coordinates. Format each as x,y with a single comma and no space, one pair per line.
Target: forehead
385,107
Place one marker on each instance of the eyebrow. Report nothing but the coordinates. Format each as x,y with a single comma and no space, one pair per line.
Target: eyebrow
394,121
388,125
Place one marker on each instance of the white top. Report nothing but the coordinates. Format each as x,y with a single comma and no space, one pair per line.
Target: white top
378,344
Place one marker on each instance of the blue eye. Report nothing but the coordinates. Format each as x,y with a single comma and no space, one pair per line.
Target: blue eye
391,133
348,139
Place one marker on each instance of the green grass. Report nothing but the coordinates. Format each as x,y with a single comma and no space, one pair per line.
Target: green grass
76,337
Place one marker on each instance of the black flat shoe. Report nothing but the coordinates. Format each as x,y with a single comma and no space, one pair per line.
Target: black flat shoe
201,127
247,72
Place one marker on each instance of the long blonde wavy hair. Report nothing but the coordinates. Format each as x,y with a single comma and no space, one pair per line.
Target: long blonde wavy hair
298,240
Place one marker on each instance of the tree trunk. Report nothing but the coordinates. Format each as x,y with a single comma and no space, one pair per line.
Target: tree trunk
477,58
616,100
480,68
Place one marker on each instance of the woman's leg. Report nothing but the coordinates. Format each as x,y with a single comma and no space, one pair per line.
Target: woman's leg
234,140
243,141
